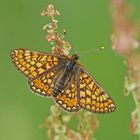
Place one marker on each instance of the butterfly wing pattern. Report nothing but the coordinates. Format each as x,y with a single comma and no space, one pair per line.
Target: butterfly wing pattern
32,63
62,78
68,98
92,97
37,67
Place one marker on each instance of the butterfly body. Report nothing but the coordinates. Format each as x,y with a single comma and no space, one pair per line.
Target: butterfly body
60,84
70,67
62,78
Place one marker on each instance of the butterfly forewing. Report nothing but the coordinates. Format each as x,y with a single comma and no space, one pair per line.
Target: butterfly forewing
32,63
92,97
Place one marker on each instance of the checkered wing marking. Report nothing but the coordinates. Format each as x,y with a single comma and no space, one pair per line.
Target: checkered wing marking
67,99
44,84
92,97
32,63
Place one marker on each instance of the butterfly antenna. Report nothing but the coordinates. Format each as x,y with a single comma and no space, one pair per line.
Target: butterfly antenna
97,49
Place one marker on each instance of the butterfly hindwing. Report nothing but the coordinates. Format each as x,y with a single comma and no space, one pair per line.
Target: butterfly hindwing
92,97
44,84
68,98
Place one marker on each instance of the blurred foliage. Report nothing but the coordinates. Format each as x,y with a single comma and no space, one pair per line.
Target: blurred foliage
125,42
57,125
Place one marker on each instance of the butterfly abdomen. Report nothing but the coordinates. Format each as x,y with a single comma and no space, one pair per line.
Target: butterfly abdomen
61,82
59,85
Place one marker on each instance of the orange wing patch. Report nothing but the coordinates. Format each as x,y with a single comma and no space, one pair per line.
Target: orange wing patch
67,99
32,63
43,85
92,97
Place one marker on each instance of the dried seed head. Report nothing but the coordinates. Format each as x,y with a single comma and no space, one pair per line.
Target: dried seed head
50,11
55,111
66,45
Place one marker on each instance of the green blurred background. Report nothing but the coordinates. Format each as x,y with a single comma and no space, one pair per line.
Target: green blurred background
89,26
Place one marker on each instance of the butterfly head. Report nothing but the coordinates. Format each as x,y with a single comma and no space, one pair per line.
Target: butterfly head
75,57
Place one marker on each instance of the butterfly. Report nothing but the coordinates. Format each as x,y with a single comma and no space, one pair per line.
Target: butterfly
62,78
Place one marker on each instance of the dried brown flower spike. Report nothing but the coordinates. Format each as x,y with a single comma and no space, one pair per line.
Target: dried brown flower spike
60,46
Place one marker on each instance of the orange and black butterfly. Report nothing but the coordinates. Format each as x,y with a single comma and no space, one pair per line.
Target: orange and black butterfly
64,79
